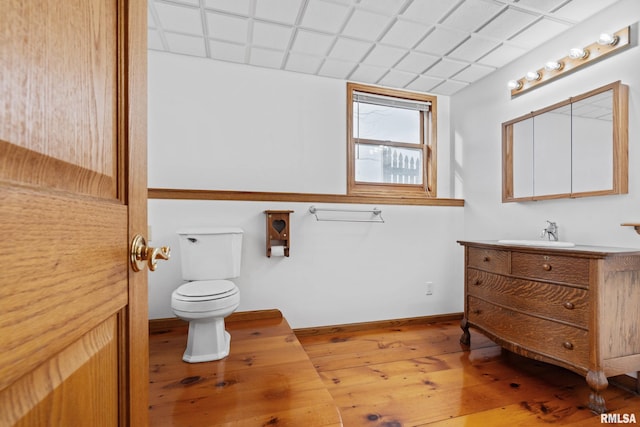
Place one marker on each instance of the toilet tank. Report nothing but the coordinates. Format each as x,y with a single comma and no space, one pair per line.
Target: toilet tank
210,253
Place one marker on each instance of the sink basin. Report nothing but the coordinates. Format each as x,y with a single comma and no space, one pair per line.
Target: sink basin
542,243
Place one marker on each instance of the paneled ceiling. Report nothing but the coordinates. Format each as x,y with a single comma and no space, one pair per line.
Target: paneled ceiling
435,46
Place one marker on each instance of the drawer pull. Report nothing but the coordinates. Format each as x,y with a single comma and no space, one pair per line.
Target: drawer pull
476,311
546,267
567,345
486,259
568,305
477,282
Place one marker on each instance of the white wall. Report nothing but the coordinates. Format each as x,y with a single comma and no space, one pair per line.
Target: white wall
221,126
337,272
478,111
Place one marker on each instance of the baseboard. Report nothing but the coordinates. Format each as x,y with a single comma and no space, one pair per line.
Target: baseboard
379,324
156,325
627,382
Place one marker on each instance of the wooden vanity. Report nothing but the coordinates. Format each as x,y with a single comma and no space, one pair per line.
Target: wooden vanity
577,307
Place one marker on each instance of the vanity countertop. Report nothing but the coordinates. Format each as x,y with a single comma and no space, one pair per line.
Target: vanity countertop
584,250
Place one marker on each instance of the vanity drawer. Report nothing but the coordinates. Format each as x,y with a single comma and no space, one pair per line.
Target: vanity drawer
553,301
557,268
489,260
545,337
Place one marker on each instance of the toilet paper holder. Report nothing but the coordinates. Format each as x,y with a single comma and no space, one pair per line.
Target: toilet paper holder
278,234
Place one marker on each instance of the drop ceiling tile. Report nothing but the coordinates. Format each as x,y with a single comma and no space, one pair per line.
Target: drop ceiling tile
578,10
473,72
188,45
345,2
501,56
542,30
368,74
303,63
273,36
428,11
323,16
240,7
472,14
312,43
441,40
508,23
366,25
416,62
404,34
542,5
424,83
189,2
227,51
387,7
384,56
174,18
227,28
284,11
154,41
446,68
151,23
266,57
397,78
349,50
450,87
473,48
336,69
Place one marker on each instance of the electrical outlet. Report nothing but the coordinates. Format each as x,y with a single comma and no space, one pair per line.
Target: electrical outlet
429,288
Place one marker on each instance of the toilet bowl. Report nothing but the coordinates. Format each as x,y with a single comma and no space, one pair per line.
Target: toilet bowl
209,257
205,304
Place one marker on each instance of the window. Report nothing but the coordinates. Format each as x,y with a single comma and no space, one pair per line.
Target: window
391,142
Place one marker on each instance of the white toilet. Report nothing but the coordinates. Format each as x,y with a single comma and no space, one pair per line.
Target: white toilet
209,256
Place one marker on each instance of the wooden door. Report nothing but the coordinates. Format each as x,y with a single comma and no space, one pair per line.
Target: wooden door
73,315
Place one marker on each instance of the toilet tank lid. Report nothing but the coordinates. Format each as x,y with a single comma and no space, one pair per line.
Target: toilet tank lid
210,230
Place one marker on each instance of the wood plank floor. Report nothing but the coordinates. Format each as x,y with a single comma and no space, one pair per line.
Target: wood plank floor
267,380
421,376
413,375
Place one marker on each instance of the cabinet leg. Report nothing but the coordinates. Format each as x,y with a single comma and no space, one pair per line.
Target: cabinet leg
465,339
598,382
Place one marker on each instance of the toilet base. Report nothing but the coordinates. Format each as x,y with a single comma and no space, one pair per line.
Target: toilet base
207,341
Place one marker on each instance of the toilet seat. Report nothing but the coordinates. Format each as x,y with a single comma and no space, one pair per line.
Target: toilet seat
204,298
205,290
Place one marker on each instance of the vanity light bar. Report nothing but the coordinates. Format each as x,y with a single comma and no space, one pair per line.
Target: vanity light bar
606,45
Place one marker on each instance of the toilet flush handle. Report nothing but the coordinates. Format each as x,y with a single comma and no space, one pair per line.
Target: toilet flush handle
142,254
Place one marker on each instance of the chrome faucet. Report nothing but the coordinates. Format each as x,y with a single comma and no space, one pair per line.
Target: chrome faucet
551,232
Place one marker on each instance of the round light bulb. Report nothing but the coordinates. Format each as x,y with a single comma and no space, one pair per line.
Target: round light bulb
533,76
553,65
514,84
607,39
578,53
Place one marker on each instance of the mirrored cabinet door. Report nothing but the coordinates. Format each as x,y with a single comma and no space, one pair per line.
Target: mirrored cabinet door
592,129
523,158
574,148
552,152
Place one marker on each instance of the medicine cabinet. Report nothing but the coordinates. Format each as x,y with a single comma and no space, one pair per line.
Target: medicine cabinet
574,148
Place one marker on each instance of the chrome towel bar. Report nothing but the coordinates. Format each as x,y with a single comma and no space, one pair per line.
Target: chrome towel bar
377,214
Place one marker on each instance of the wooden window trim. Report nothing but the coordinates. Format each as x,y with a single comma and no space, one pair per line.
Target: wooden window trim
428,189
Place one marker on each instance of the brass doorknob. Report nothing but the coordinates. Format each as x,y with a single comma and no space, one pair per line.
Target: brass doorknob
142,254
